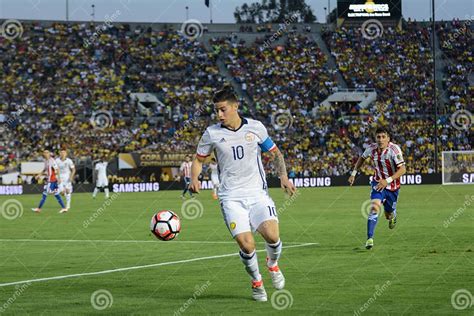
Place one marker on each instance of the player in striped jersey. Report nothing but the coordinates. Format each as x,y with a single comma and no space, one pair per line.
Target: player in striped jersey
51,170
186,173
237,144
389,166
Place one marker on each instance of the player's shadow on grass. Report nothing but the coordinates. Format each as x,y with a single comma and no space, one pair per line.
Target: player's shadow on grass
359,249
222,296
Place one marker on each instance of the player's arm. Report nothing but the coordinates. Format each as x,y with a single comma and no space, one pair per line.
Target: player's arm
73,173
196,168
401,170
280,167
359,163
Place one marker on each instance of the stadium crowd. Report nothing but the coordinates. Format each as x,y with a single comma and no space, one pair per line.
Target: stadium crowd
56,79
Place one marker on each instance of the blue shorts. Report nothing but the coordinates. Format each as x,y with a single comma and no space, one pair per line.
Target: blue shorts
388,198
51,188
187,181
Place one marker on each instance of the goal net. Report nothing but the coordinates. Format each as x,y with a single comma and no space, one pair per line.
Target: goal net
458,167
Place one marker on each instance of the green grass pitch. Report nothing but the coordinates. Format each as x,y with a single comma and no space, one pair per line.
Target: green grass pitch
414,269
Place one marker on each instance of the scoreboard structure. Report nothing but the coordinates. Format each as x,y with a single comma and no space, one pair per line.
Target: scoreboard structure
361,10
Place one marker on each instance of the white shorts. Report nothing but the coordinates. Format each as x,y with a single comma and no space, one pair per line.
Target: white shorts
215,180
65,185
102,183
247,214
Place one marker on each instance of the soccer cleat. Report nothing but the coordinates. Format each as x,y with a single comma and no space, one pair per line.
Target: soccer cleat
36,210
369,243
258,291
214,196
392,222
278,280
63,210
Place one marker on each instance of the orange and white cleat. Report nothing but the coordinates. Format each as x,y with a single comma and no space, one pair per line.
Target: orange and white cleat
63,210
258,291
278,280
36,210
214,196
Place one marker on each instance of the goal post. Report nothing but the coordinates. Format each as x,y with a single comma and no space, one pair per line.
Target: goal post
457,167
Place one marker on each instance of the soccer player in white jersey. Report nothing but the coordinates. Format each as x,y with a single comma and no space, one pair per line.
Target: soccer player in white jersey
389,166
237,143
67,170
101,178
52,173
214,177
185,169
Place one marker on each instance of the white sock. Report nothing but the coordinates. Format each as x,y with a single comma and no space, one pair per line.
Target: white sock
106,190
95,192
273,253
251,264
215,190
68,200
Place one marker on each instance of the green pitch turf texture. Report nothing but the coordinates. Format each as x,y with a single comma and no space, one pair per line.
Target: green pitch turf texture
413,269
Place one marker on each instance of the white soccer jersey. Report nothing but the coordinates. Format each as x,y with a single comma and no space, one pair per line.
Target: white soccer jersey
101,168
238,155
65,168
385,163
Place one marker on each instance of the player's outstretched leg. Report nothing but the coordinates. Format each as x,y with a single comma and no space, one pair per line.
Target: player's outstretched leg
41,203
270,232
372,222
96,189
106,191
57,195
248,255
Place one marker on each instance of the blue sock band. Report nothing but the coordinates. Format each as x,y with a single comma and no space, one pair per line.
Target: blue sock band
371,223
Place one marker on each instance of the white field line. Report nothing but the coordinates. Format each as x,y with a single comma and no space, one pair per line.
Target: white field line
135,241
139,267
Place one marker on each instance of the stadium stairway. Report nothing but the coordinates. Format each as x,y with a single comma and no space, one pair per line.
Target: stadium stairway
341,83
440,75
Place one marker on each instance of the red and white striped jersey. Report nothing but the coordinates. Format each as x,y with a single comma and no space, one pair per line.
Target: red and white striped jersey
186,169
385,163
51,166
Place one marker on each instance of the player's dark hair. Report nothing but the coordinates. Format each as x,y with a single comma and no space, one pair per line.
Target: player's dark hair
382,129
225,94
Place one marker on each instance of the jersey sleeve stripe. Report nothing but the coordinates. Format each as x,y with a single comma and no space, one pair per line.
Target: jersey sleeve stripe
202,156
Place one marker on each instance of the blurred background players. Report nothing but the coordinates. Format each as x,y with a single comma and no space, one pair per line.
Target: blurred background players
186,173
214,177
101,178
51,171
67,171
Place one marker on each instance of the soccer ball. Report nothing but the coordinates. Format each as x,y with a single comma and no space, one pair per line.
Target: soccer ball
165,225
